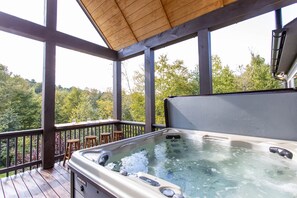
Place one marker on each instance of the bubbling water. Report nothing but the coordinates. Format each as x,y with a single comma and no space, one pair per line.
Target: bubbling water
211,169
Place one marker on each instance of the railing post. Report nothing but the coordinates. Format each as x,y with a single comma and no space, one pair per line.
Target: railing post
149,69
48,90
205,67
117,92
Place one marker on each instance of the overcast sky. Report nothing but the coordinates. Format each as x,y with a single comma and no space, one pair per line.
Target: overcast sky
24,57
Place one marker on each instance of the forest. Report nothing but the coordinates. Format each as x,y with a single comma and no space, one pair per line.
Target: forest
20,106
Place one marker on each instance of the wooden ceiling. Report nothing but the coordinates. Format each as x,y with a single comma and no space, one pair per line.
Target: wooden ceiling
125,22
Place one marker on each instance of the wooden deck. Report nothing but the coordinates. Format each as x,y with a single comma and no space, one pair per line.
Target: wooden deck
54,182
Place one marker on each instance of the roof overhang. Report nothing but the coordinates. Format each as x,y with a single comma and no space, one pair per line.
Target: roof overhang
125,22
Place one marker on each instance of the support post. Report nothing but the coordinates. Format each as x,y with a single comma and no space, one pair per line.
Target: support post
117,92
149,70
48,107
48,90
279,25
205,66
278,19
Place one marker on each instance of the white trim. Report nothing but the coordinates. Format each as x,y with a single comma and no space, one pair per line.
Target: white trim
292,73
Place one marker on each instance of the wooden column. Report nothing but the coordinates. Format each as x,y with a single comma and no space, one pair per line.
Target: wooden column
205,67
278,19
117,92
48,90
149,70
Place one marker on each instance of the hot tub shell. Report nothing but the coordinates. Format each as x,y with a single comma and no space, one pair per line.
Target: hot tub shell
234,119
89,179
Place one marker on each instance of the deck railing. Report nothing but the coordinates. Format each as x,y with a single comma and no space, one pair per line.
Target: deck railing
21,150
68,131
157,127
131,129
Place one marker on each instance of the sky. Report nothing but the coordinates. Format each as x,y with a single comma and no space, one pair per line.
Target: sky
233,44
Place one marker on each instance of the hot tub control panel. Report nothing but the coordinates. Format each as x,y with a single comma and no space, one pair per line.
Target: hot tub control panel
84,188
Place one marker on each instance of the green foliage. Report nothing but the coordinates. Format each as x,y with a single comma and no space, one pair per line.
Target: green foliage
61,95
257,76
252,77
126,101
78,105
172,80
105,105
20,106
137,108
135,101
223,79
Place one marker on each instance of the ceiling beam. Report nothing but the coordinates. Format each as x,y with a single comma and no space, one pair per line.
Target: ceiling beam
80,45
228,15
21,27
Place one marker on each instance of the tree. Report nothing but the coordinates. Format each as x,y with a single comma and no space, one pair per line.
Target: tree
135,102
83,110
172,80
195,80
126,103
223,79
257,76
105,105
60,99
20,107
137,107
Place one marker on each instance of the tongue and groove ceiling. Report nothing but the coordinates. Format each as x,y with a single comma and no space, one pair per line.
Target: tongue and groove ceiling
126,22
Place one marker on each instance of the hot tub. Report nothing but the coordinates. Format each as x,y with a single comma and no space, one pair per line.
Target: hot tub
187,163
222,145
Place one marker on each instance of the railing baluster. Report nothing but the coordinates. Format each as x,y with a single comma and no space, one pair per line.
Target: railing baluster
24,150
60,142
16,154
30,150
64,145
1,151
79,136
125,129
37,148
7,155
70,134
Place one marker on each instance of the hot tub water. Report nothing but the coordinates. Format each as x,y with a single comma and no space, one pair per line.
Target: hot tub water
210,168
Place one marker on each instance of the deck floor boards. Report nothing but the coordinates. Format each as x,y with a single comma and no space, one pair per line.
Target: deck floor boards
37,183
8,188
1,189
33,188
43,184
20,186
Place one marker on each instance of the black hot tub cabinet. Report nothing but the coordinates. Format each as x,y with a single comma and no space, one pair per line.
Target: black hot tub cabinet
263,121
